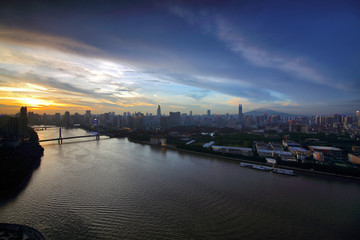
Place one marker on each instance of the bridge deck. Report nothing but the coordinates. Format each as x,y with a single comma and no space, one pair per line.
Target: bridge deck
56,139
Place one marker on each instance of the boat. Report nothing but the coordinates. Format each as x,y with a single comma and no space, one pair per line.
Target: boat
255,166
246,164
284,171
262,168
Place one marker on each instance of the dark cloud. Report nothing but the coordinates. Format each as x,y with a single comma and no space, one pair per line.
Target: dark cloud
258,50
197,95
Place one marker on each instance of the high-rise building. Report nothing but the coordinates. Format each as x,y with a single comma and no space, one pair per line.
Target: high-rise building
190,113
67,119
241,115
158,111
23,121
88,117
358,115
208,113
57,118
174,119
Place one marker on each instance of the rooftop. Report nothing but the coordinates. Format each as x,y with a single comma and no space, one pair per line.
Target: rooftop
325,148
234,148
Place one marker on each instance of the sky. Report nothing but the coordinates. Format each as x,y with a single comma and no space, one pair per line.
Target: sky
300,57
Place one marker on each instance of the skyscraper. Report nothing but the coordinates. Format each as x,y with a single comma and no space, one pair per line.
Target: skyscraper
158,111
208,113
241,115
67,119
23,121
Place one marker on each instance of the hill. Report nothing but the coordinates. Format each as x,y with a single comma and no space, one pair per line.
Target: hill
261,111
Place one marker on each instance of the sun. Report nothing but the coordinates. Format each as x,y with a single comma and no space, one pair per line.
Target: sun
33,102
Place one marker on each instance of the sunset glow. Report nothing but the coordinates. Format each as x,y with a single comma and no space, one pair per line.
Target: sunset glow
204,57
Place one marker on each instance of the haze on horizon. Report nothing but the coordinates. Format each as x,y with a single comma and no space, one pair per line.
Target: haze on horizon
298,57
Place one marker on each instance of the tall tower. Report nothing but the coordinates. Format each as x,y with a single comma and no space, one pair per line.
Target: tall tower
158,111
23,121
241,115
208,112
67,119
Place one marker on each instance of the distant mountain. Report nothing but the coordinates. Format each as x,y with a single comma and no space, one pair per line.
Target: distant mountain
261,111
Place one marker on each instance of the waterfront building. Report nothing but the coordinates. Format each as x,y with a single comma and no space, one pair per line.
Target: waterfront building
265,152
158,141
325,149
299,152
23,122
285,156
233,150
67,119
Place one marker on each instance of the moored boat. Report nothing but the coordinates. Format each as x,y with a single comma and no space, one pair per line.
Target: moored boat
284,171
255,166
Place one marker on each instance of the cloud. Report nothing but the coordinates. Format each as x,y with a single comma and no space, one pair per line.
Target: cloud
264,58
198,94
30,38
183,13
43,72
223,28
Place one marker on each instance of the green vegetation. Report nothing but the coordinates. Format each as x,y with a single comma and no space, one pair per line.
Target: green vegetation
336,163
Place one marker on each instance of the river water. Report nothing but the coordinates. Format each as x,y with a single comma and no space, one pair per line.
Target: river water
116,189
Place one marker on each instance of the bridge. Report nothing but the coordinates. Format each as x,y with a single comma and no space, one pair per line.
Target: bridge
60,138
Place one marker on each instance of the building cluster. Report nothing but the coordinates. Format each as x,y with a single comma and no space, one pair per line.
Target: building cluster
333,124
14,128
289,151
147,121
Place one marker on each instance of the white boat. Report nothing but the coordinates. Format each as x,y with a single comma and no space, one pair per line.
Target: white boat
246,164
262,168
284,171
255,166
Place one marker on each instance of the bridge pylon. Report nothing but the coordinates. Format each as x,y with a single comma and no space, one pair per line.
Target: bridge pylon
60,138
97,136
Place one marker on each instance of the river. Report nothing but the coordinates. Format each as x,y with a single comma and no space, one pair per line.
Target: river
116,189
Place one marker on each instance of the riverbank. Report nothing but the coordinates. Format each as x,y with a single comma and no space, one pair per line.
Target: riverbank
17,165
297,170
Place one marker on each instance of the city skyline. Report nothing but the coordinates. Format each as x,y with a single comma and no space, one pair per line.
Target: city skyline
292,57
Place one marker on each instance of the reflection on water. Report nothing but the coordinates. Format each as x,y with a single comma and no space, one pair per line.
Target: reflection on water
115,189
